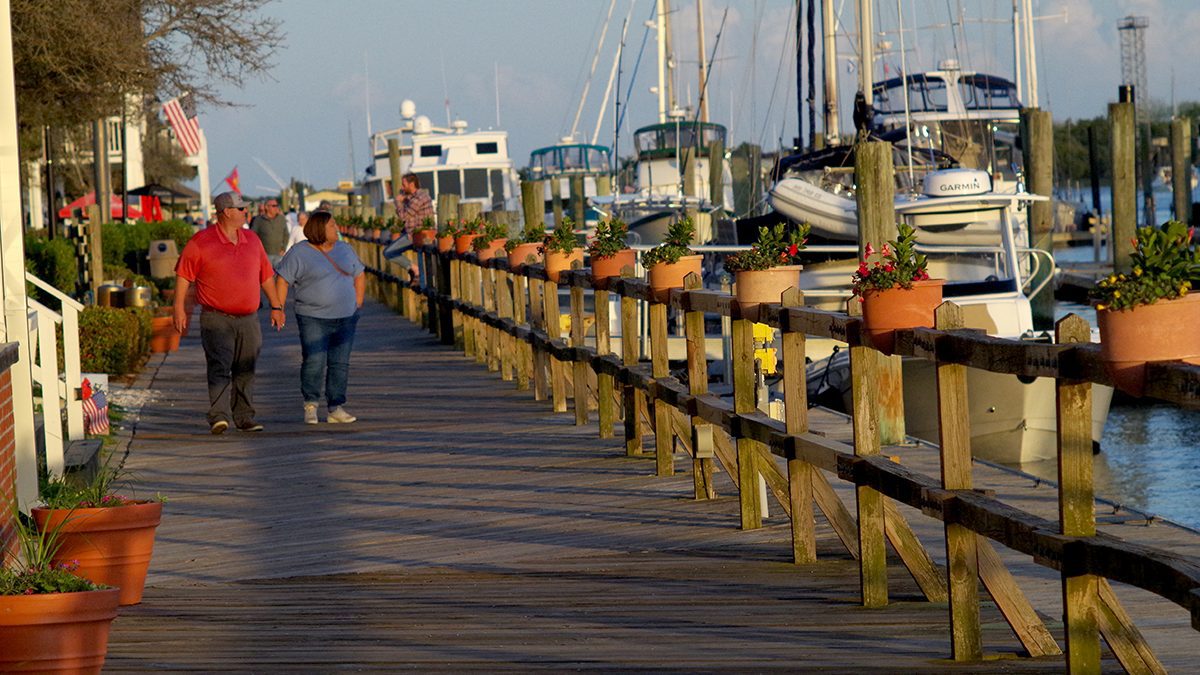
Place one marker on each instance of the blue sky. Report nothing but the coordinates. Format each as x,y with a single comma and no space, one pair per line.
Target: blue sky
307,118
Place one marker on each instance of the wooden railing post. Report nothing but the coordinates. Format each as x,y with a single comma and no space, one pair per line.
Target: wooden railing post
551,316
522,350
537,308
634,400
579,369
468,290
1076,504
745,395
865,364
456,318
961,551
491,302
800,472
697,358
664,435
606,404
504,300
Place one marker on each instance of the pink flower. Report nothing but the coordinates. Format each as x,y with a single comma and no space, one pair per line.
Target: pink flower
868,251
887,251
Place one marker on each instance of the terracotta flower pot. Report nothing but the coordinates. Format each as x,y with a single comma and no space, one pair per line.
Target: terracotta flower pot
445,244
395,235
491,250
1164,331
557,262
665,276
611,266
462,243
423,237
376,233
884,311
113,545
752,288
164,337
56,632
524,254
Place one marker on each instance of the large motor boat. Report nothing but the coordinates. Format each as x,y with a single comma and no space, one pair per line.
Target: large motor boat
558,164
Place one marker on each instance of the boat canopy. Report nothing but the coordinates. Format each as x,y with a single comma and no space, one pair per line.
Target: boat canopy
569,158
927,93
665,140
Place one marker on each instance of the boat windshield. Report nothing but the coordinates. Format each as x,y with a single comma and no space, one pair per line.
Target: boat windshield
665,139
569,159
974,144
926,93
987,92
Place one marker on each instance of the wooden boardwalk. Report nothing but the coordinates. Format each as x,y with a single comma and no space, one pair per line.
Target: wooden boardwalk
459,524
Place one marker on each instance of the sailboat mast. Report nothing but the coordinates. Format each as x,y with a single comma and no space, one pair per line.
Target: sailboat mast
1030,56
669,51
1018,56
799,141
660,30
703,61
829,21
866,44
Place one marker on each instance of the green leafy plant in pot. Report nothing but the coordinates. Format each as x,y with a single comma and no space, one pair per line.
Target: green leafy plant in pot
526,249
561,249
894,286
1150,313
608,250
768,268
488,243
672,260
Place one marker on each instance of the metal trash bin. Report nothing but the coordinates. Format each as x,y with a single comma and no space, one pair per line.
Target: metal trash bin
138,296
163,256
110,295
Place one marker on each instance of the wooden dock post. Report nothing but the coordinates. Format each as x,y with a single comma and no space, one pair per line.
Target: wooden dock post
556,203
393,146
579,369
1076,504
606,404
447,208
697,360
664,435
955,441
633,399
1124,185
469,211
745,401
1181,167
865,366
553,322
795,414
533,203
1038,131
874,175
716,175
578,201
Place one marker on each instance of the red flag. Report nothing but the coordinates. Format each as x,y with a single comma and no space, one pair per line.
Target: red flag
232,180
181,115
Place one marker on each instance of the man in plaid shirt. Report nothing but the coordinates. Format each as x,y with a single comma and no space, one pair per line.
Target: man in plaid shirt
413,204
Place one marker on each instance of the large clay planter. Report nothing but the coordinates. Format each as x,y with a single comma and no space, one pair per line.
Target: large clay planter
665,276
1168,330
885,311
423,237
524,254
445,244
752,288
462,243
112,545
492,249
557,262
164,337
56,632
611,266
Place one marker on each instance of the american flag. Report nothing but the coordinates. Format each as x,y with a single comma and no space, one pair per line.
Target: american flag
95,410
181,115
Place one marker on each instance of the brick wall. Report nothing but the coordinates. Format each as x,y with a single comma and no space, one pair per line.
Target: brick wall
8,459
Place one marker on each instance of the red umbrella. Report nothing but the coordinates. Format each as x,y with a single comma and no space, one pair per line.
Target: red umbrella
90,199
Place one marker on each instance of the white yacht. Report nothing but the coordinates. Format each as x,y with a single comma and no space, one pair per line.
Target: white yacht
471,164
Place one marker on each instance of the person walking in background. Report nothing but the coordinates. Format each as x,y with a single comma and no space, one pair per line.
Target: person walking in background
228,266
413,204
328,283
271,227
296,231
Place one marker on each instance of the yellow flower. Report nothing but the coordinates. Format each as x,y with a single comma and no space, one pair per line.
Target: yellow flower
1183,290
1112,278
1116,294
1137,271
1099,307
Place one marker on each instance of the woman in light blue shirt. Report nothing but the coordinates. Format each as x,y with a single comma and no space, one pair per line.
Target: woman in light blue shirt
326,279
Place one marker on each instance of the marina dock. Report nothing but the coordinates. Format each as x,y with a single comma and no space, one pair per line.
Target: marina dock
462,524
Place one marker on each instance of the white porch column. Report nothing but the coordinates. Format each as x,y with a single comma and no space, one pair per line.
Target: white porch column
200,161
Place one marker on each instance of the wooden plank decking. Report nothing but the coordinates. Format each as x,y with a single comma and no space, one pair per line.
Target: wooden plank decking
459,524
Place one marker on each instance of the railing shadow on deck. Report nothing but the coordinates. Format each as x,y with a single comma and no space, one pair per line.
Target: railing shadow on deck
509,321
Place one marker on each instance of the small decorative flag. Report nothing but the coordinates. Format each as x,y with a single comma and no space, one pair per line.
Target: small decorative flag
95,410
181,115
232,180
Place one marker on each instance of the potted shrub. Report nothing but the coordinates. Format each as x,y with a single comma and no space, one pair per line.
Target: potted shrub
1150,314
446,234
895,289
467,231
110,536
768,268
561,249
51,620
490,241
526,249
672,260
426,234
164,337
608,250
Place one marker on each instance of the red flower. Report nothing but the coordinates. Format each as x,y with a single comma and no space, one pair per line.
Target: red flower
793,250
862,269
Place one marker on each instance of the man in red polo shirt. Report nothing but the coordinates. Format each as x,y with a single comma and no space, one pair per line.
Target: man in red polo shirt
228,265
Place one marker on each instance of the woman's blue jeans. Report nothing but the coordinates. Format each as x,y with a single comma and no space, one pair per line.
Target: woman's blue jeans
325,345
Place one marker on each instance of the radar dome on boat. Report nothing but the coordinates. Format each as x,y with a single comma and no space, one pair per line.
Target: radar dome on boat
957,182
422,125
408,109
459,126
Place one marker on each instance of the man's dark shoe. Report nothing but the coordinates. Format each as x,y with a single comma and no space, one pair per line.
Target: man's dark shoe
218,427
249,425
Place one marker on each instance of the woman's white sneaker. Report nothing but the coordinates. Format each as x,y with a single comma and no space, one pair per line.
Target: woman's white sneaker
310,414
339,416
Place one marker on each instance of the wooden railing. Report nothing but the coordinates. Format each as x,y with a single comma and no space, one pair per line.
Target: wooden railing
511,322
